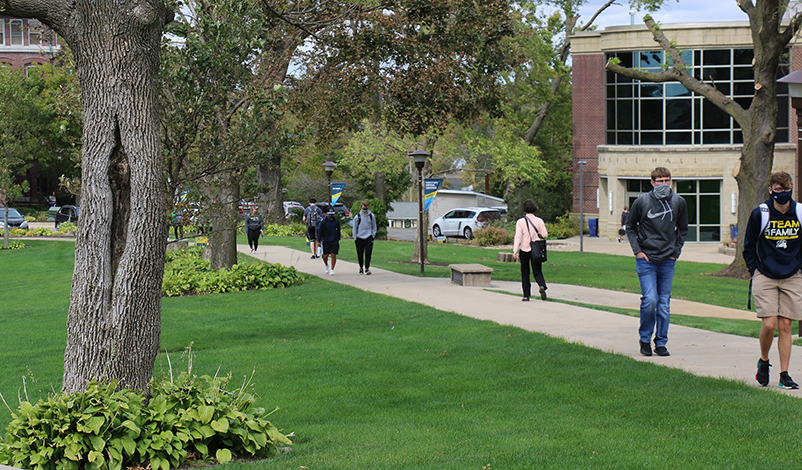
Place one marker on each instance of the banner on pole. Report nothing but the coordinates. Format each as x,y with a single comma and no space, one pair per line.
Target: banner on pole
430,188
336,191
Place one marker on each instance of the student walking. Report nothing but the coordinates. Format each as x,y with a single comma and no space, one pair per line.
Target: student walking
311,217
529,228
255,228
328,233
364,233
656,229
624,219
772,254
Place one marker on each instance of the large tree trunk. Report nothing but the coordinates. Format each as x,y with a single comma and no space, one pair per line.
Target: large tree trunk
114,320
222,196
380,186
271,200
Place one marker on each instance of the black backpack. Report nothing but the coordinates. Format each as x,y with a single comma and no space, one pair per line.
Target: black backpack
314,216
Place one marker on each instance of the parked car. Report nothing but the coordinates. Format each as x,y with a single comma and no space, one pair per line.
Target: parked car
67,214
463,221
292,207
15,219
339,208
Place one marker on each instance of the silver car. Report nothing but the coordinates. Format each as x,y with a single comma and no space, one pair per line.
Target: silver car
463,221
15,219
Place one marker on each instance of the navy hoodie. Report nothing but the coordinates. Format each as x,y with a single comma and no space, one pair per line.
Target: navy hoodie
776,251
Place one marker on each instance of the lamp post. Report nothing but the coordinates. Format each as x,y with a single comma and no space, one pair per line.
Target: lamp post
794,81
419,157
581,206
329,166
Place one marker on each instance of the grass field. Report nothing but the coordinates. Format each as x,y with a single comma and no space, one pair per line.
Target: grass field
371,382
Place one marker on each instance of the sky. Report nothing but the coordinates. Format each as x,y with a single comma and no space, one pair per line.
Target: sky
682,11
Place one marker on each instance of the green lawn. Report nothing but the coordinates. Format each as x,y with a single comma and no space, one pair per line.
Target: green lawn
370,382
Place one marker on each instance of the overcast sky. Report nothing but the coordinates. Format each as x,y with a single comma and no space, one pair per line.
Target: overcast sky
683,11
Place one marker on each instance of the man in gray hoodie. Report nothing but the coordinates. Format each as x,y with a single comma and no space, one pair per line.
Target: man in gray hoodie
364,233
657,226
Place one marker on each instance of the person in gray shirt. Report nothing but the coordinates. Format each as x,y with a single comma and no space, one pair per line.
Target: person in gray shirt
364,234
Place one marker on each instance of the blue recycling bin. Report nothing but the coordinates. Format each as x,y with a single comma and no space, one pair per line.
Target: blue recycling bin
593,226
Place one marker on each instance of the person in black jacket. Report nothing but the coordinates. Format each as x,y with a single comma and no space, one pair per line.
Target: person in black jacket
656,229
255,228
772,254
328,233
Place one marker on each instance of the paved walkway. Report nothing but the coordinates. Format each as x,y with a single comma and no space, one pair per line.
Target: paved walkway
697,351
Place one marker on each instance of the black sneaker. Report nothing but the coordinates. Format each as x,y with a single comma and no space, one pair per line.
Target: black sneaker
525,299
662,351
543,293
787,382
762,375
361,271
645,348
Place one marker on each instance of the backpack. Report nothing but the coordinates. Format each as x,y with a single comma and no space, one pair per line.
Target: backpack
314,216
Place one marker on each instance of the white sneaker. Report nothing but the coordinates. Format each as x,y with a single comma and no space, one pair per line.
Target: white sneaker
332,272
326,268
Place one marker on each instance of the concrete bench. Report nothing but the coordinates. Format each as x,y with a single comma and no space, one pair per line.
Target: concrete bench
472,275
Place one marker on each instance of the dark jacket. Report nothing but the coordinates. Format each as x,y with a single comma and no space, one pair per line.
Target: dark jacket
658,227
776,251
328,229
254,223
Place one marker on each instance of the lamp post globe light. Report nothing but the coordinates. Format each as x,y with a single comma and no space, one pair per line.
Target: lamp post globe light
329,166
419,157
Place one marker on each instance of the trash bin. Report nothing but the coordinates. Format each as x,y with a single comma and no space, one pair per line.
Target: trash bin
51,213
733,232
593,226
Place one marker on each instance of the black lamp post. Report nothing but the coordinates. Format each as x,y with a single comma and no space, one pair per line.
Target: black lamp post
581,206
419,157
329,166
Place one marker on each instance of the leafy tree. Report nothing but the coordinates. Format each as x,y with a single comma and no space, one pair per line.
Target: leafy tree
113,325
758,122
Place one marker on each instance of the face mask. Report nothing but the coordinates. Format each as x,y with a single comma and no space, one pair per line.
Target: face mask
782,198
662,191
365,211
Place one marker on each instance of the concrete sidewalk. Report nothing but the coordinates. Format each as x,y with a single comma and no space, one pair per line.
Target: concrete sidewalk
696,351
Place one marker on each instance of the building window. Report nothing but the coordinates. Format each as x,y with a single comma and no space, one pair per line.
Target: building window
34,33
16,32
642,113
703,198
2,33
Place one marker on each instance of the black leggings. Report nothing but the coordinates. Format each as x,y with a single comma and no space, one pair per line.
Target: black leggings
253,239
526,260
364,246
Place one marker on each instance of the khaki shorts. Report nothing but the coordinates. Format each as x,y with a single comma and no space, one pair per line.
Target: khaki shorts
778,297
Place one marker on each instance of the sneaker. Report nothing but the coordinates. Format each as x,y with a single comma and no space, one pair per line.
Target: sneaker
331,272
762,375
313,257
326,269
787,382
525,299
645,348
361,271
543,293
662,351
367,272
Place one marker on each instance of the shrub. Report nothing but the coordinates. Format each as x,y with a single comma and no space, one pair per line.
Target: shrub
13,245
563,227
65,227
107,429
186,272
43,232
291,230
491,235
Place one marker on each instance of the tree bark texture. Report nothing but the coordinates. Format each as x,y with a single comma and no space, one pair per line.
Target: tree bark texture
114,321
222,193
271,200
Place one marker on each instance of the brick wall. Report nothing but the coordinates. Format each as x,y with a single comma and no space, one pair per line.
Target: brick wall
588,125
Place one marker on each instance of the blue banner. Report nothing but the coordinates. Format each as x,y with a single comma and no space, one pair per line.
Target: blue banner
336,191
430,188
183,195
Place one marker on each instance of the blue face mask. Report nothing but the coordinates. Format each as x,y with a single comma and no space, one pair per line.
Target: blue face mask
782,198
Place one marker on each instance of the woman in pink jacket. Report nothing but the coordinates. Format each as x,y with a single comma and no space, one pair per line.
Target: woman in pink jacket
526,230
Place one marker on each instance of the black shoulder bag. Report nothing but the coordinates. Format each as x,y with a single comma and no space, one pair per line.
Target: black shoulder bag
538,247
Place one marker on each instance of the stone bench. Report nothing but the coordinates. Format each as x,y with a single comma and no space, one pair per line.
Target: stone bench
471,275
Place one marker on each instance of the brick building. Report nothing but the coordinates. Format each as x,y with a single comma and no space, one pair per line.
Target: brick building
624,128
25,43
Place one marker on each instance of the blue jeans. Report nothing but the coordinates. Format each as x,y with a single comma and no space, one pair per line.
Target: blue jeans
655,287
